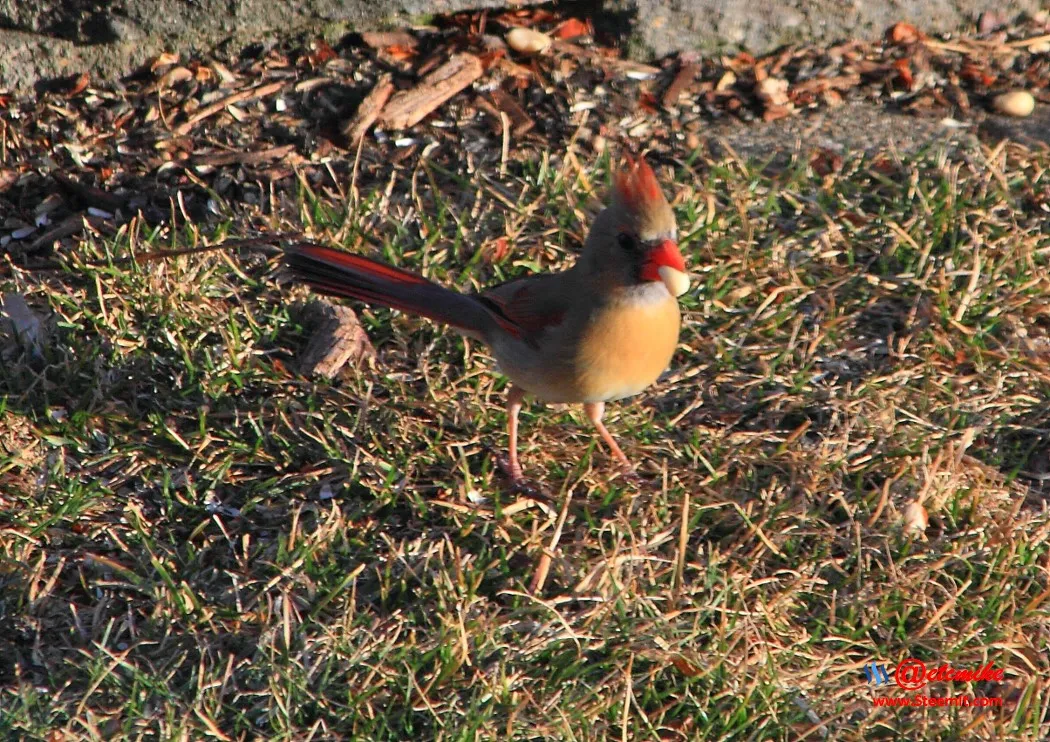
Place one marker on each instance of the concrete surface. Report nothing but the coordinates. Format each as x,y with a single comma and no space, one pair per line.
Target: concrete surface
43,39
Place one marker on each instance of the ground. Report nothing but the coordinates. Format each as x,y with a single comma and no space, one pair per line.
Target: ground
847,462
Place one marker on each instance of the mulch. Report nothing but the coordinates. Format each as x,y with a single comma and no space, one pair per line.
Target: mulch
206,141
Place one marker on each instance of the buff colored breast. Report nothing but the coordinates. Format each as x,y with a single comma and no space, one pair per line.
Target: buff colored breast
626,346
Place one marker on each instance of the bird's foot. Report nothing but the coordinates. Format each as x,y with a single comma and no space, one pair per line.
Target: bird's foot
519,482
629,475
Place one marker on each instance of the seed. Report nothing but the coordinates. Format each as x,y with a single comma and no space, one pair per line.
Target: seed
527,41
1018,103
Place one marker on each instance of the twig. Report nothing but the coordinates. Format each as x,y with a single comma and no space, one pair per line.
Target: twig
505,148
216,159
683,544
544,566
65,228
264,244
260,91
88,194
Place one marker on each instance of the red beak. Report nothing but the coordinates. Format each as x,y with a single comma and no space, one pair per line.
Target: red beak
664,254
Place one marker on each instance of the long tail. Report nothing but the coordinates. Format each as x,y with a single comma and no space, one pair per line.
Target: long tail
339,273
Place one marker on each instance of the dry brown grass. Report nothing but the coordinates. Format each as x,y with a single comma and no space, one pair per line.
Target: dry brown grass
196,542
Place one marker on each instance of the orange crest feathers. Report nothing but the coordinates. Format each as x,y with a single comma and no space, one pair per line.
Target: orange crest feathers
637,187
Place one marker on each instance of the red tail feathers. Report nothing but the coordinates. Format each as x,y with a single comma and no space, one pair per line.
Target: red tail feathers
341,273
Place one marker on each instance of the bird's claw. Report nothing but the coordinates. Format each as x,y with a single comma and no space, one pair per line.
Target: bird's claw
629,475
519,482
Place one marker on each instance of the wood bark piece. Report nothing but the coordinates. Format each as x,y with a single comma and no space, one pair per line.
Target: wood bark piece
68,227
385,39
521,122
686,74
338,339
409,107
369,110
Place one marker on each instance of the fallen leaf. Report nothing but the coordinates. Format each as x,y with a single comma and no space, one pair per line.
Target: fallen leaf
174,76
772,91
573,27
321,53
78,85
163,59
825,162
915,517
685,667
903,68
905,33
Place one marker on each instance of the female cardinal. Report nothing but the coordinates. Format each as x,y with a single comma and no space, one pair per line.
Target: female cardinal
603,330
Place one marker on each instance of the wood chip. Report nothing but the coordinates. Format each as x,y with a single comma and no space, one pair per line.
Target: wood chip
521,122
821,84
385,39
68,227
686,74
369,110
409,107
338,340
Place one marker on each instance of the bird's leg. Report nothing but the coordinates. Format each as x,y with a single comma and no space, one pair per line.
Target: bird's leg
515,396
594,411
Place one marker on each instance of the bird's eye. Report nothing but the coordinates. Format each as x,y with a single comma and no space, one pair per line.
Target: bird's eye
627,242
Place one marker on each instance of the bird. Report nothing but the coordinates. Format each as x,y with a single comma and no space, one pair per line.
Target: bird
600,331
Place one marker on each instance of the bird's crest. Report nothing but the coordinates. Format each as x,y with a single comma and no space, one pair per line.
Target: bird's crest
637,187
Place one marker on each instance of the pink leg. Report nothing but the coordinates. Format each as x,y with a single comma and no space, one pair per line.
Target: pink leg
515,396
594,411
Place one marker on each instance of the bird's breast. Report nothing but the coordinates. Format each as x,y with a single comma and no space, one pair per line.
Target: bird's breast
626,345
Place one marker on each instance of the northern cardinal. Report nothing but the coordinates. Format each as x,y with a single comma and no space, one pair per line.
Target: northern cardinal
603,330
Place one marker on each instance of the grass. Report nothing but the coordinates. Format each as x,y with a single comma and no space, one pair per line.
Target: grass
199,543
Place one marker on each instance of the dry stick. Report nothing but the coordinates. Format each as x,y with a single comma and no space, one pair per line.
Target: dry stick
260,91
409,107
89,194
544,566
1024,43
255,243
242,158
683,545
65,228
505,149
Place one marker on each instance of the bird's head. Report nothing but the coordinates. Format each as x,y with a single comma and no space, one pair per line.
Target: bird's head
635,239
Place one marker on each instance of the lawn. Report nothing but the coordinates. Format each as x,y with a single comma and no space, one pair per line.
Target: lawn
847,463
199,542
